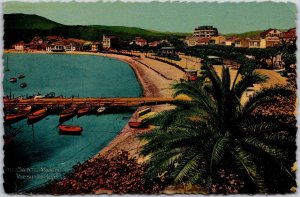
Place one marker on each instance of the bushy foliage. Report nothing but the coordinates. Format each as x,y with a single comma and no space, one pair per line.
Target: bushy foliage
215,131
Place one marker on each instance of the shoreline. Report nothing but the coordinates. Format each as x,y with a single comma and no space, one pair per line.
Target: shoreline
152,85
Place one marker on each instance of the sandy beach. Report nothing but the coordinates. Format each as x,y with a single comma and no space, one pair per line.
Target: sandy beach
154,85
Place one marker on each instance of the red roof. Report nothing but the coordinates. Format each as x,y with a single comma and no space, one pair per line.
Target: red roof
264,33
203,40
140,40
291,33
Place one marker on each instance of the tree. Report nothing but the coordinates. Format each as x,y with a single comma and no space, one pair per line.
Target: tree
288,53
214,130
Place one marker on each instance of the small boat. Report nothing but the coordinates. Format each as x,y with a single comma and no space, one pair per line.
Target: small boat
37,115
100,110
70,129
67,113
22,113
135,124
21,76
13,80
83,111
23,85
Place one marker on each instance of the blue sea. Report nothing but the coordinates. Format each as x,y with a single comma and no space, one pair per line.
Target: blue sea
38,154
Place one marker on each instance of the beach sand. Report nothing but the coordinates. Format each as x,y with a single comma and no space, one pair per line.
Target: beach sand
154,85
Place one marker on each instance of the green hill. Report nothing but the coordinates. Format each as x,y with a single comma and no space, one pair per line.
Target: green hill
24,27
28,21
245,34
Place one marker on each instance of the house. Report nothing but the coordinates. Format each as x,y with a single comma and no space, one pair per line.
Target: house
217,40
289,36
272,37
205,31
20,46
110,42
230,41
96,46
257,42
168,50
194,41
271,34
190,75
49,47
241,42
140,41
153,44
58,46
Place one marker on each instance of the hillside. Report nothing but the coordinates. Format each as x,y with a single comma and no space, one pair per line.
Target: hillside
245,34
28,21
24,27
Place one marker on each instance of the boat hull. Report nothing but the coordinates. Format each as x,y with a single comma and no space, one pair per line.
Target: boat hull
101,110
13,80
83,111
134,124
70,130
37,115
11,118
67,114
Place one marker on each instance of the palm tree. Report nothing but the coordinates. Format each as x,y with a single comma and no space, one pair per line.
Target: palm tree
214,131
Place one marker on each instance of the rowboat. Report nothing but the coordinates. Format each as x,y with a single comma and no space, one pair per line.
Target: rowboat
70,129
67,113
37,115
21,76
100,110
23,85
22,113
83,111
135,124
13,80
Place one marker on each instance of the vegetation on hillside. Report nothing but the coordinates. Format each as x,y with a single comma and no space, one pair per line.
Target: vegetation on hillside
245,34
215,132
24,27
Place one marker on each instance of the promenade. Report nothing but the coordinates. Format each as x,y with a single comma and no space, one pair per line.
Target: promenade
118,102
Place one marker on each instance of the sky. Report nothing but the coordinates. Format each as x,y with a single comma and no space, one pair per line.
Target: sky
172,17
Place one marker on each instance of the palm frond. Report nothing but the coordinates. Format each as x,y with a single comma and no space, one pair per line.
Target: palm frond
219,150
263,147
188,165
248,81
246,164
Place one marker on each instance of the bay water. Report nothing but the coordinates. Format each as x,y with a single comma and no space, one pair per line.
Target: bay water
38,154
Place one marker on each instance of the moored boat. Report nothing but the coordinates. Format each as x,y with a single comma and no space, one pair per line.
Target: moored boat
23,85
38,114
22,113
70,129
135,124
21,76
13,80
100,110
67,113
83,111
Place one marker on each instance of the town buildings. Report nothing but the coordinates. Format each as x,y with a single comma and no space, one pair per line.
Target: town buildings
205,31
140,41
202,35
271,37
289,36
109,42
